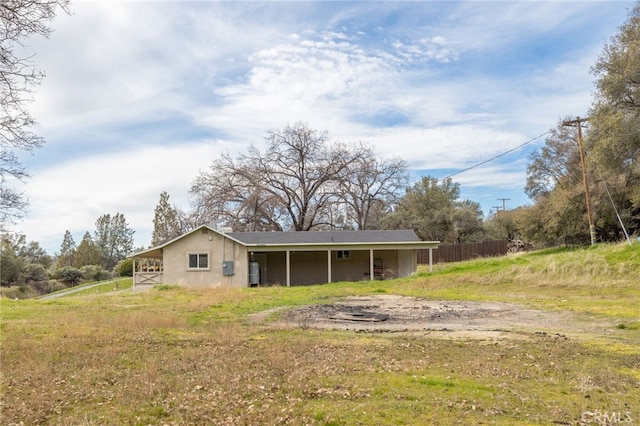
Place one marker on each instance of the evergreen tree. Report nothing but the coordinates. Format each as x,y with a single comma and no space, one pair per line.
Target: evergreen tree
113,238
67,250
10,264
614,138
554,182
34,253
87,253
611,144
168,222
432,209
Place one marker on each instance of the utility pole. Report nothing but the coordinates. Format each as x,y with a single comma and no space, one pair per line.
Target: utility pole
577,123
504,206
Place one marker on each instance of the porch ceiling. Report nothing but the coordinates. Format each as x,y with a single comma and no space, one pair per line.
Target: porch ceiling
153,253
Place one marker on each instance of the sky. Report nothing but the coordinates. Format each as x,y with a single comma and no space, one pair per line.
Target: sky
141,96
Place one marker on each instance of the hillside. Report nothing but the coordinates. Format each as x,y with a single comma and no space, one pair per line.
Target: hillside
550,337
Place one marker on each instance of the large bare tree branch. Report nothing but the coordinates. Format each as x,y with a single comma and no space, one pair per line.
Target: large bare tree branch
293,185
19,20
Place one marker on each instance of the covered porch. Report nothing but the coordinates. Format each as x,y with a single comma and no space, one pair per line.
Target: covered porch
149,269
307,266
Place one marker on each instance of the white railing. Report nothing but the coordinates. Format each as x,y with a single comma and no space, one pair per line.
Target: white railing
148,278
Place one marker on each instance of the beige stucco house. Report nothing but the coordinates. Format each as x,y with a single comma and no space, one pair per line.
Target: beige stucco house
207,258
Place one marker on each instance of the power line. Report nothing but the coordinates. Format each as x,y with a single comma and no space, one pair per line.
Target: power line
616,210
504,204
498,156
577,123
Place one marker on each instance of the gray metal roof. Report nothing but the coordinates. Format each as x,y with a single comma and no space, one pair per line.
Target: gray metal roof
324,237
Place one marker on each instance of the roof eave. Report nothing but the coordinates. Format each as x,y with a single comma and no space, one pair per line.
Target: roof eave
346,245
145,253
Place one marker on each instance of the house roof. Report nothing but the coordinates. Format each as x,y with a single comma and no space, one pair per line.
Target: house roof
325,237
311,240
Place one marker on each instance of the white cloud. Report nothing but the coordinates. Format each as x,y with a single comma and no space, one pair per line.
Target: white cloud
326,79
499,177
447,147
123,61
71,196
140,95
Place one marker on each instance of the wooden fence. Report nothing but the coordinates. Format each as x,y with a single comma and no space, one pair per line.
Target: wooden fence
466,251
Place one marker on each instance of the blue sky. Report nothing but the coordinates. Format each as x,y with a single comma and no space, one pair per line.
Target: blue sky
141,96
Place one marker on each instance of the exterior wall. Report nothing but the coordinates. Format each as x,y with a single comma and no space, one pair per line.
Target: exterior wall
352,269
274,271
394,263
388,260
219,248
357,267
307,267
310,267
407,262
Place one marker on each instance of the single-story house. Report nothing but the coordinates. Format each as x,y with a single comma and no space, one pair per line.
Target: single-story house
206,257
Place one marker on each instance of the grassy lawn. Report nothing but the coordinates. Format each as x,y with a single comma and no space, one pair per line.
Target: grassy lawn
177,356
93,287
85,288
107,286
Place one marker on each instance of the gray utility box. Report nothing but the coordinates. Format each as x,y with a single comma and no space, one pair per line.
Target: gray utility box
254,274
227,268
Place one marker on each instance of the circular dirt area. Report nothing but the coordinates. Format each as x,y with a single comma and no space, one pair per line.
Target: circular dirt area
399,313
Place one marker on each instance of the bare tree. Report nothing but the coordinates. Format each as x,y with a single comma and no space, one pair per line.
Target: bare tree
291,186
371,187
298,167
19,20
225,197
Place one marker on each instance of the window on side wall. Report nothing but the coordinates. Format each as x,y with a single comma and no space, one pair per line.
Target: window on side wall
342,254
198,261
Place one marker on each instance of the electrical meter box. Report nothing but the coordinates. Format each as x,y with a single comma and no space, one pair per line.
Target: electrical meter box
227,268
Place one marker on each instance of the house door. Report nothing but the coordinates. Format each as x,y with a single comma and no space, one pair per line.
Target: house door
261,258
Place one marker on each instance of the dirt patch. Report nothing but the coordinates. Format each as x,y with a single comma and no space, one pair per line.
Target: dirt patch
389,313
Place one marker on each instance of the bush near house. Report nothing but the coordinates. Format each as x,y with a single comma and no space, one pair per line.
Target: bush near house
69,275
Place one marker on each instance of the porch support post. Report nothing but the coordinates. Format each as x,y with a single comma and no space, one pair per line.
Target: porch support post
288,262
371,277
134,272
329,265
430,259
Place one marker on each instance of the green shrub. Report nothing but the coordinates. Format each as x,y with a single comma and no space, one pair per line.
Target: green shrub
69,275
34,272
45,287
124,268
95,273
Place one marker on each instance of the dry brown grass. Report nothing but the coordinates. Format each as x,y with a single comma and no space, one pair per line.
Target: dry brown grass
180,357
145,367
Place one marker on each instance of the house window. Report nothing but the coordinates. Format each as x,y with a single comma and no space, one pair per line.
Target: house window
342,254
198,261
